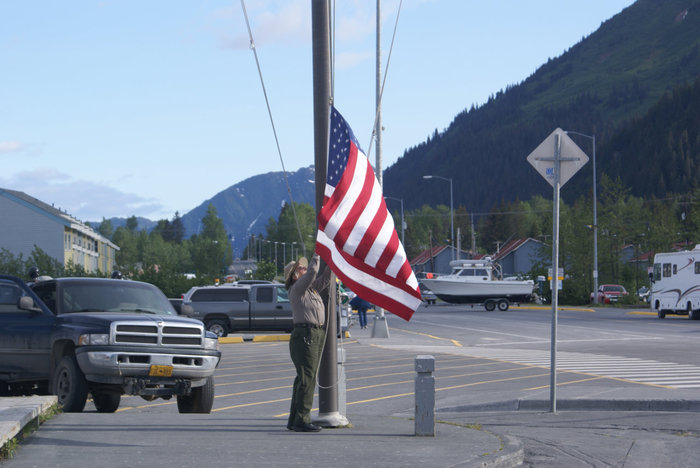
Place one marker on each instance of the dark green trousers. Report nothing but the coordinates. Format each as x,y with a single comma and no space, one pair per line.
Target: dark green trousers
305,347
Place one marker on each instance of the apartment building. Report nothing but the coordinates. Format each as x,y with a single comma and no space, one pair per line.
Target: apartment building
26,221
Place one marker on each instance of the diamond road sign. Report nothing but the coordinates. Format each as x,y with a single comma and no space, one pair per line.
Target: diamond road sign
571,157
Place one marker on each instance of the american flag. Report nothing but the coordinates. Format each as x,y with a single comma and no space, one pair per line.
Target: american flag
356,235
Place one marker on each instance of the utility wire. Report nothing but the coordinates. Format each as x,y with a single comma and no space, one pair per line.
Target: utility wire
272,122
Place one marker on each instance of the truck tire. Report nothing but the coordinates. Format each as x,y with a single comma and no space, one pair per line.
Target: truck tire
489,304
692,314
503,305
106,402
69,385
200,400
218,327
661,313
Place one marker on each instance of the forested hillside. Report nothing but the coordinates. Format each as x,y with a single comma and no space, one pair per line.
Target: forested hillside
602,86
659,153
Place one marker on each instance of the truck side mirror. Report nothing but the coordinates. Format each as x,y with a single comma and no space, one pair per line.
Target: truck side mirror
186,310
27,303
651,277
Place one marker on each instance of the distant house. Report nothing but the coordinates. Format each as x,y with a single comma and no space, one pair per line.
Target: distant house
28,222
436,260
519,256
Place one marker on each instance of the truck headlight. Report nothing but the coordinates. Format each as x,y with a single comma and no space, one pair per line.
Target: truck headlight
93,339
211,343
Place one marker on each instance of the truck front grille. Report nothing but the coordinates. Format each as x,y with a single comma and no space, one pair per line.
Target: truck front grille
159,334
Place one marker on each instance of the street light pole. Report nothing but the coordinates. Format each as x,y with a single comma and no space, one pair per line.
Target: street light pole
595,220
452,220
403,240
276,266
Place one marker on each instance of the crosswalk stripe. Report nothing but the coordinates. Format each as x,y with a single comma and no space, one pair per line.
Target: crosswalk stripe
644,371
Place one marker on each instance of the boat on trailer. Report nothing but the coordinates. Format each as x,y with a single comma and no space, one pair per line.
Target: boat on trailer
479,282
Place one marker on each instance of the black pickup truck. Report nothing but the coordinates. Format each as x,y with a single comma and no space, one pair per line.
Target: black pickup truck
106,337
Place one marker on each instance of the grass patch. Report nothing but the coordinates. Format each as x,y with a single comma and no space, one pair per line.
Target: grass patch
9,449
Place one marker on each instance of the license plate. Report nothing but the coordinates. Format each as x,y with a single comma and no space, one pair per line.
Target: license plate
160,371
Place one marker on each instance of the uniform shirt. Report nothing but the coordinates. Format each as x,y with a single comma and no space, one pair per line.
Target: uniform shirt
307,305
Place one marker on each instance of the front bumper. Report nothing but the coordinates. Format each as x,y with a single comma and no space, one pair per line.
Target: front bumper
113,365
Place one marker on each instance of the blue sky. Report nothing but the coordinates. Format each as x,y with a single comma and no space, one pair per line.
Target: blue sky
125,107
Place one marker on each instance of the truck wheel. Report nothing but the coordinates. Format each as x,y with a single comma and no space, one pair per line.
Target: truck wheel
661,313
200,400
490,305
217,327
692,314
69,385
106,402
503,305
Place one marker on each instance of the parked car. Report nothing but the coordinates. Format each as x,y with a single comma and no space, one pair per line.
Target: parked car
427,295
643,294
610,293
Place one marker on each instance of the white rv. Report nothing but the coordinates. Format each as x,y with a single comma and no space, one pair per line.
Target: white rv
675,283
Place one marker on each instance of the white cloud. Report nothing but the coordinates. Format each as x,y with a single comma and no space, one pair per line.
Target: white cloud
10,147
83,199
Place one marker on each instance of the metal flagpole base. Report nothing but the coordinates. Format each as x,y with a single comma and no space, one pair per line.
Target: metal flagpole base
334,419
380,329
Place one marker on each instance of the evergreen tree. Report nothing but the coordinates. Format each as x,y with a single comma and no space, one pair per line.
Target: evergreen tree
106,229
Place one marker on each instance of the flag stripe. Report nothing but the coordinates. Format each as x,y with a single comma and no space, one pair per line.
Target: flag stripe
357,209
368,246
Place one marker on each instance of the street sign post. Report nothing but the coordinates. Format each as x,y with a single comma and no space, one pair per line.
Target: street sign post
557,159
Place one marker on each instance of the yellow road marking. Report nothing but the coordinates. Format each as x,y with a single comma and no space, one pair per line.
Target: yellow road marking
560,384
455,342
243,405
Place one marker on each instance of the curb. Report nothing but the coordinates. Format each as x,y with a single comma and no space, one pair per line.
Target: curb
18,412
691,406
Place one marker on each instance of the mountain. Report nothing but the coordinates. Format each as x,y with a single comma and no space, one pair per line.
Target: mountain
606,81
246,207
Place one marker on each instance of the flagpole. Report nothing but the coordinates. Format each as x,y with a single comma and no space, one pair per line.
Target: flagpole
380,328
328,414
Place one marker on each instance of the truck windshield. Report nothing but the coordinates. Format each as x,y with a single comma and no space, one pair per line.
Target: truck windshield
114,297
